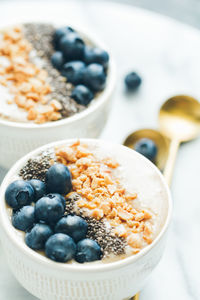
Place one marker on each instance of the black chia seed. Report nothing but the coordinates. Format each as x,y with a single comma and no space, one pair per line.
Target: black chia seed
109,242
40,36
97,230
36,167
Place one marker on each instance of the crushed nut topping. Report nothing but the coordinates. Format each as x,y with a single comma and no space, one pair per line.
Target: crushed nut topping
26,81
102,195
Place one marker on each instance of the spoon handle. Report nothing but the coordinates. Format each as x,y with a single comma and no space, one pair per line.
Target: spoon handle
173,149
136,297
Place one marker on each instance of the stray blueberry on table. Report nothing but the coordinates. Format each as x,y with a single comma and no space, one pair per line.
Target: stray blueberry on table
37,236
19,193
60,247
59,33
72,46
95,77
24,218
147,148
96,55
74,226
87,250
58,179
49,210
39,188
74,71
132,81
57,60
82,94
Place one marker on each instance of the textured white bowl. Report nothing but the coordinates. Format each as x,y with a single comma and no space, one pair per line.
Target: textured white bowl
118,280
17,139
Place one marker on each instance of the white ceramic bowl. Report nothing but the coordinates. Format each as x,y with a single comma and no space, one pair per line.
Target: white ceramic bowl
118,280
17,139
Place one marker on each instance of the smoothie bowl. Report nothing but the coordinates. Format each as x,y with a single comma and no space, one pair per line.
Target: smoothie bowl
55,82
83,219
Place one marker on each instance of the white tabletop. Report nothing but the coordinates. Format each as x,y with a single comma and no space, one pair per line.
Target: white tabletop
167,55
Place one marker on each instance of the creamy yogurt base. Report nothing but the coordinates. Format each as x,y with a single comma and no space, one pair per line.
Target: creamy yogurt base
7,110
10,111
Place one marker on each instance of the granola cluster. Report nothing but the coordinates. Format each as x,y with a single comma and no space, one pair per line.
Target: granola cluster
26,81
103,197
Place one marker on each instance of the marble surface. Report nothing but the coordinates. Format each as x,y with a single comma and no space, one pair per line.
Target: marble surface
166,54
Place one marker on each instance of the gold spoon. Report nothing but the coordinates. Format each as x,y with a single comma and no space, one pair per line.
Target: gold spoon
160,140
179,120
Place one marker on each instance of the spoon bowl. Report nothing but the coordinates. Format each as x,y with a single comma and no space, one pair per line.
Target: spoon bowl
160,140
179,118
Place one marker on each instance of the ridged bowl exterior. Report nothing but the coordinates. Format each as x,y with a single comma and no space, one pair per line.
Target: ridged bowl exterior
47,284
16,142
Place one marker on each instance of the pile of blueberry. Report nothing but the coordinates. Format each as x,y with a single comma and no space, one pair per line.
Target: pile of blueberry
84,66
38,209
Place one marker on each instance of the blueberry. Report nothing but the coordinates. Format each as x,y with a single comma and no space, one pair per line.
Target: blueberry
147,148
58,196
87,250
49,210
19,193
39,188
74,71
74,226
37,237
58,179
24,218
72,46
57,60
132,81
82,94
96,55
60,247
59,33
95,77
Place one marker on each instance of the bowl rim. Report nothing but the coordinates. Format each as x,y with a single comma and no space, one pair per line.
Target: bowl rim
101,98
9,230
